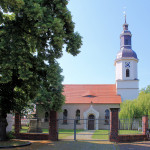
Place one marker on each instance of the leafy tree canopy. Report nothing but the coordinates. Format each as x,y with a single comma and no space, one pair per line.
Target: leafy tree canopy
145,90
50,93
33,32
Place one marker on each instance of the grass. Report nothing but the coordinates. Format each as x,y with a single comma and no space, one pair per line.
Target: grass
63,133
24,129
101,134
104,134
121,132
98,134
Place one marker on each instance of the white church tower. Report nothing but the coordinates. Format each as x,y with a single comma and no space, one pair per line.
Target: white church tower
127,83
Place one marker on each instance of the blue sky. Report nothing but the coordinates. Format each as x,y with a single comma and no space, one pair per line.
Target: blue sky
100,23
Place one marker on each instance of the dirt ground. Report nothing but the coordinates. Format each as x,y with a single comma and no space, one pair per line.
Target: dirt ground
84,145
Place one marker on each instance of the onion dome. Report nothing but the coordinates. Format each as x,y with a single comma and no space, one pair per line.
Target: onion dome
125,44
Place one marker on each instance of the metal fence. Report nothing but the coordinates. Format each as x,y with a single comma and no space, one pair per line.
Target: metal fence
83,129
130,126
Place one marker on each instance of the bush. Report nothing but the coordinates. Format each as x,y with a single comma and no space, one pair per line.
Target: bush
10,135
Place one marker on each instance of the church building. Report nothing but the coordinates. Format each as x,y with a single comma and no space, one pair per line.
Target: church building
93,101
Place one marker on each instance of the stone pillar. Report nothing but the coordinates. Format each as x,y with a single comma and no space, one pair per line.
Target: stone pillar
53,127
144,124
114,125
17,123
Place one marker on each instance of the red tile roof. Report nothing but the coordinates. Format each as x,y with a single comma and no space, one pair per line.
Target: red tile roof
95,93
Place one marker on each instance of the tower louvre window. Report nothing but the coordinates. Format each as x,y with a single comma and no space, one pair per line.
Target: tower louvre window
127,73
126,42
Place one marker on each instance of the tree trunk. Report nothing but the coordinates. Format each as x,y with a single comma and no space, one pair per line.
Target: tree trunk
17,123
20,123
3,125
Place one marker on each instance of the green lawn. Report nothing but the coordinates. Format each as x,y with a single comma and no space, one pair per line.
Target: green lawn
62,132
98,134
24,129
121,132
104,134
101,134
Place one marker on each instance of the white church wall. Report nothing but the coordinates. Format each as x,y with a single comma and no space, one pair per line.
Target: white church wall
71,108
119,70
101,109
127,87
132,68
127,84
128,94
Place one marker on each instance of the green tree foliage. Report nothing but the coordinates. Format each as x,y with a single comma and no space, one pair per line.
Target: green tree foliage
143,103
132,109
145,90
50,93
32,33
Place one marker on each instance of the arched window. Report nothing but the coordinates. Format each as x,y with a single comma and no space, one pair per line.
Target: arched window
127,73
46,116
78,116
106,116
65,114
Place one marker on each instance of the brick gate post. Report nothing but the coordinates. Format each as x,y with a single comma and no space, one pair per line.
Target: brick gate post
17,123
114,125
144,124
53,126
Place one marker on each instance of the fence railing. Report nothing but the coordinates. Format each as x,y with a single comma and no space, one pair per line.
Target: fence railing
130,126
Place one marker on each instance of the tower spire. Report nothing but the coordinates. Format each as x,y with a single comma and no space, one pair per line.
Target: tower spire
125,18
125,25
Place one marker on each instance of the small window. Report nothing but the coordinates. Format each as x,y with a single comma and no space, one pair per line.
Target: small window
89,96
65,114
127,73
106,116
78,116
126,42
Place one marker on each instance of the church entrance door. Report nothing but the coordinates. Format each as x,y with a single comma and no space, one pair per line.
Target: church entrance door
91,120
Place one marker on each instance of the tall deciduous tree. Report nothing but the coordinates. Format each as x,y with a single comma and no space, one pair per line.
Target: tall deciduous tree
33,32
50,95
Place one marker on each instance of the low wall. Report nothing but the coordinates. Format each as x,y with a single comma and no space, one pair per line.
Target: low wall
132,138
31,136
121,138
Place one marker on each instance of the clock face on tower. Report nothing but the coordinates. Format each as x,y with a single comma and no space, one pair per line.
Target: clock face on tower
127,64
